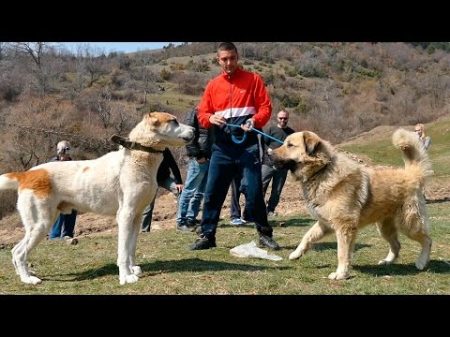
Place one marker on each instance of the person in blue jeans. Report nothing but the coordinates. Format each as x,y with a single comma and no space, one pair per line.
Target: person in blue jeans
240,98
165,180
199,152
65,224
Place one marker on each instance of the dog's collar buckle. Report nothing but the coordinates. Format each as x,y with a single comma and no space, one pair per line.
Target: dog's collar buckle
133,145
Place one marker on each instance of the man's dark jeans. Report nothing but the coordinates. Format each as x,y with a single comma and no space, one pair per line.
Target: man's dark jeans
225,163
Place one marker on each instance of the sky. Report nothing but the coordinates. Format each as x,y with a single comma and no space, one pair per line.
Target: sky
107,47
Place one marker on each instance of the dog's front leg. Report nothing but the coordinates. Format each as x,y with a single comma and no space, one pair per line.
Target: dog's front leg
345,235
315,233
135,269
125,218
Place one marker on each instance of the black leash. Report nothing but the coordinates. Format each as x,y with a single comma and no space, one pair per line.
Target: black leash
133,145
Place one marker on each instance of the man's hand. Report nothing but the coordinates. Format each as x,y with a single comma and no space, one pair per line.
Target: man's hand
217,120
179,187
201,160
248,126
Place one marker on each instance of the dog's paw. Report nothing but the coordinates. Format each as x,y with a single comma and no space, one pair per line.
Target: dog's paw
421,263
31,280
338,276
136,270
385,262
294,255
128,279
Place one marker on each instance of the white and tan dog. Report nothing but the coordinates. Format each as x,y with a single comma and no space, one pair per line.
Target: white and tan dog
345,196
122,182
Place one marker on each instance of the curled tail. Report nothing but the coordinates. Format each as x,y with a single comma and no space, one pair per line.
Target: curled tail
8,182
414,154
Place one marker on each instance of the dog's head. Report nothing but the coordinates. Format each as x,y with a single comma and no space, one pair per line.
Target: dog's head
162,129
303,153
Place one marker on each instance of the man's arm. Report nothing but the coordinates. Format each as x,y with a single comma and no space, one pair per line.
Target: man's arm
173,167
193,149
427,142
205,108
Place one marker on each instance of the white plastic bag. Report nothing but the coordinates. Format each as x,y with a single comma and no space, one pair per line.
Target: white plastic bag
251,250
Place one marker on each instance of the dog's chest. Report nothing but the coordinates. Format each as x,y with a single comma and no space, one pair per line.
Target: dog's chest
315,202
318,212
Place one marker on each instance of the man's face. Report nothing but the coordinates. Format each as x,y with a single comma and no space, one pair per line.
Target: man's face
228,60
282,118
418,130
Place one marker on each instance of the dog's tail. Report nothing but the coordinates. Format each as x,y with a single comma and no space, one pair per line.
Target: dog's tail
8,182
414,154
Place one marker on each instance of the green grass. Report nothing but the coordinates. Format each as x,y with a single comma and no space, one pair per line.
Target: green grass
170,268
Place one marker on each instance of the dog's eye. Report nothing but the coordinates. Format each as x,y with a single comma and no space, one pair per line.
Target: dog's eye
174,122
289,145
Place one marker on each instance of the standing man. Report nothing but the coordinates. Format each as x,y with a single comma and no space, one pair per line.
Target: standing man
269,172
240,98
199,152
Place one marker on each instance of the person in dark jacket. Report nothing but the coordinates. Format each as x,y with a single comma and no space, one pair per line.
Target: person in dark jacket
199,152
65,224
269,172
173,184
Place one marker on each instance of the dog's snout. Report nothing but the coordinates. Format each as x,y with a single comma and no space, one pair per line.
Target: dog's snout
190,135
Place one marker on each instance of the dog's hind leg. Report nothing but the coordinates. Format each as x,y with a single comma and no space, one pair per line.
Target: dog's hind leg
425,241
36,236
315,233
389,232
415,226
424,257
36,220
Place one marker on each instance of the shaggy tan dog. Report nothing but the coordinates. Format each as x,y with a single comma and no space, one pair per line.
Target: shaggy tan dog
345,196
122,182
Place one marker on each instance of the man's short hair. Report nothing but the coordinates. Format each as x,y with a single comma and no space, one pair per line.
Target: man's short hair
227,46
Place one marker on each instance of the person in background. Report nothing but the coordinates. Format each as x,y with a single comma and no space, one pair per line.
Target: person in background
165,180
199,152
269,172
426,140
240,98
65,224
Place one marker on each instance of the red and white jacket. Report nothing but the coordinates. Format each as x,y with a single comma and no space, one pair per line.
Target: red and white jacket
237,98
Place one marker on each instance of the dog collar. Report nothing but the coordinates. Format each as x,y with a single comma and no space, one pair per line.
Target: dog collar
133,145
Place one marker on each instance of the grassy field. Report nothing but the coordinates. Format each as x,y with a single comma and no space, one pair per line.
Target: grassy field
170,268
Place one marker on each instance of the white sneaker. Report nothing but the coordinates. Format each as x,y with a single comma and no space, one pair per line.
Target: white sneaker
71,241
237,222
272,214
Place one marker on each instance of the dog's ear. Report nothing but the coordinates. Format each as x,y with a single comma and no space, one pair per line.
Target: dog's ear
153,119
312,142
